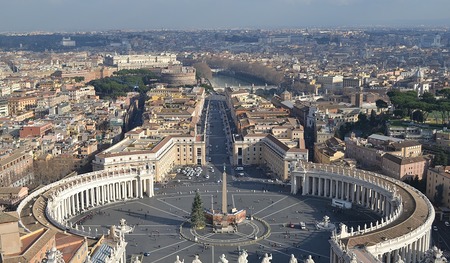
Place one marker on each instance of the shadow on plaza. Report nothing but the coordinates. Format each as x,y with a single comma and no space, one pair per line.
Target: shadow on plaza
260,186
148,218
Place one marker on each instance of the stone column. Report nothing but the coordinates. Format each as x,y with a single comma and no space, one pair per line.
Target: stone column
414,251
92,197
336,189
357,193
72,205
408,253
111,192
150,187
319,186
303,183
293,184
82,199
140,193
388,257
313,191
108,193
77,205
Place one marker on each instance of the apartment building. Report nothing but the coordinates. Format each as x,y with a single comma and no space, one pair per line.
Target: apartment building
138,149
16,168
266,149
396,158
329,151
17,105
38,129
438,179
404,168
443,138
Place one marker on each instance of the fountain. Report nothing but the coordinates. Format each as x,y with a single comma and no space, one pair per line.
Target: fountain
325,224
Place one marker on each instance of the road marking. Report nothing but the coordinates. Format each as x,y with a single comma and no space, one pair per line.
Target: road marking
175,215
269,205
159,199
276,212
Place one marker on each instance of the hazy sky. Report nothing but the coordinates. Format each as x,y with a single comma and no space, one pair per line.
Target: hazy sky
73,15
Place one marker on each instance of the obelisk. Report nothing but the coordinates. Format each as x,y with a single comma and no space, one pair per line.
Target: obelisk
224,191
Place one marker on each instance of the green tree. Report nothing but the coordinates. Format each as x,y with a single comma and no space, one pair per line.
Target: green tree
373,118
362,118
381,104
428,97
440,158
197,214
445,93
418,116
439,195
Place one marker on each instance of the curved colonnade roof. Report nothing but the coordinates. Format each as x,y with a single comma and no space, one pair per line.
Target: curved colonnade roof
415,213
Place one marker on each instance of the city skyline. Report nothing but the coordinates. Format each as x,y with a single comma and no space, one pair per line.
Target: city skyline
83,15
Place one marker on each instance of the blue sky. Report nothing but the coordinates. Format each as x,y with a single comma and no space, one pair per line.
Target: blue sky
74,15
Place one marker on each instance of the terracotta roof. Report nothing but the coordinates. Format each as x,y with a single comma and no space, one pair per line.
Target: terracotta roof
297,150
10,190
403,144
277,142
403,160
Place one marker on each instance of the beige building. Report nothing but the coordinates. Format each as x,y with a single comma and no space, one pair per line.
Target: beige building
395,157
443,139
16,168
161,155
20,104
404,168
140,61
330,151
266,149
439,177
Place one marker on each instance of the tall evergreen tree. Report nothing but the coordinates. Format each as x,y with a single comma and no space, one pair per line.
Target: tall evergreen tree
197,214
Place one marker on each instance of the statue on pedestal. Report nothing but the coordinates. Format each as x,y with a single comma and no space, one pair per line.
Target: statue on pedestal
178,260
267,258
196,260
243,257
309,259
293,259
223,259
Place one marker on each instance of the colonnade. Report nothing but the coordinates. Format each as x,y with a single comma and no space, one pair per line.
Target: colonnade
380,194
72,196
85,197
349,189
412,252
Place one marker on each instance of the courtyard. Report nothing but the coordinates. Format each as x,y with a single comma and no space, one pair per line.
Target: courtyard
157,223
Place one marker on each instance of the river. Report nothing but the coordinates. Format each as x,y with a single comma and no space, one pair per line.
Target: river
220,81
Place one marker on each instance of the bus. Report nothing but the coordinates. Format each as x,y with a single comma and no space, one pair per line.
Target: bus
341,203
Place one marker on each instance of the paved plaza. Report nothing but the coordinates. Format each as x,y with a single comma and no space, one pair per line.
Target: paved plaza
157,222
